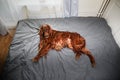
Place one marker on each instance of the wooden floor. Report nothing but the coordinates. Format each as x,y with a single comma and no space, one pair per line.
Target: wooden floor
4,47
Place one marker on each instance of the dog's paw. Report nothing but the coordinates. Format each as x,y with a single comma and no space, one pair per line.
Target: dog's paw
34,60
77,56
93,65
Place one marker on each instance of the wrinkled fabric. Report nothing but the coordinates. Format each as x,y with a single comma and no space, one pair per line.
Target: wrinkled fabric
61,65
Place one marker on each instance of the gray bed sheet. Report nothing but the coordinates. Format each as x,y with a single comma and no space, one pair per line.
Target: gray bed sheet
62,65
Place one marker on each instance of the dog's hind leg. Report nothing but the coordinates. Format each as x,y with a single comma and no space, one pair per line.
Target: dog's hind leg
88,53
77,53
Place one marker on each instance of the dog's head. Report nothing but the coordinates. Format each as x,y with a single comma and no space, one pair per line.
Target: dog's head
45,31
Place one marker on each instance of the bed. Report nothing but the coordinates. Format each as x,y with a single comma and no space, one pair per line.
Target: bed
61,65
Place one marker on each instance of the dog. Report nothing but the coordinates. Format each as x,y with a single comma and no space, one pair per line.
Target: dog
53,39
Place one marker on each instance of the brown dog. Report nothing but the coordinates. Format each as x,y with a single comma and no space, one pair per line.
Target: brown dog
53,39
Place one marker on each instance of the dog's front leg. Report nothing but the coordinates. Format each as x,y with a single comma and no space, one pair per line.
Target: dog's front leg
41,44
43,52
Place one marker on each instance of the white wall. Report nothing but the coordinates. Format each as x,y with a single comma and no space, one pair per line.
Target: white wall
85,8
14,10
40,8
5,13
112,15
11,11
89,7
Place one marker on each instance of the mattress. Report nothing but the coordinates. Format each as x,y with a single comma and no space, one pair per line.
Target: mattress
61,65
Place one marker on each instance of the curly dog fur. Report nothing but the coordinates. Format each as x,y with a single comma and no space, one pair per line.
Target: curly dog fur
53,39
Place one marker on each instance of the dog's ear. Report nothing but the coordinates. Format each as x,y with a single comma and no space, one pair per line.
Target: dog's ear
41,32
50,29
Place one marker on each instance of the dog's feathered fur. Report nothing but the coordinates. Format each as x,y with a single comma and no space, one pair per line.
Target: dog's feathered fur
53,39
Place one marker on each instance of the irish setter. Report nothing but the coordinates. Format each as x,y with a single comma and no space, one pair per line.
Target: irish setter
53,39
